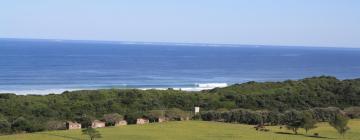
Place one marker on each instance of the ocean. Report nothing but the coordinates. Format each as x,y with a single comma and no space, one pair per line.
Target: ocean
53,66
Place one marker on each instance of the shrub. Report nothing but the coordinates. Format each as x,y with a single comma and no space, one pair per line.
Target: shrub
111,119
339,122
55,125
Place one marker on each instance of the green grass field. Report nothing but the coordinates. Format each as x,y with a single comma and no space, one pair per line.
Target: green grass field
193,130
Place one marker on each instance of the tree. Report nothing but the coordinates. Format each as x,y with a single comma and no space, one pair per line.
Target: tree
353,112
176,114
55,125
92,133
293,120
275,96
340,124
154,115
4,125
308,122
85,121
111,119
21,124
131,116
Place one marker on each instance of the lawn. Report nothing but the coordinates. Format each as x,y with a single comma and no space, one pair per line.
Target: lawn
192,130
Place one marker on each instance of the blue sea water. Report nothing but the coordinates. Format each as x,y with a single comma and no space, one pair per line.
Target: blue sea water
42,66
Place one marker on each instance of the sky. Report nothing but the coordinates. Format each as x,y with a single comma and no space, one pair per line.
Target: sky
329,23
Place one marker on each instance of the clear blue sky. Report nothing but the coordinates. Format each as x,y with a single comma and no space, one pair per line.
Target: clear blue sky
273,22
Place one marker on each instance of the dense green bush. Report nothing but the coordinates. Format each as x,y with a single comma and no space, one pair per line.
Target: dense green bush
56,125
112,119
352,112
272,98
154,115
271,117
176,114
5,126
85,120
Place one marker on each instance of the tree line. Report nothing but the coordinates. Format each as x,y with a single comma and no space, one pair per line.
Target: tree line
31,113
292,119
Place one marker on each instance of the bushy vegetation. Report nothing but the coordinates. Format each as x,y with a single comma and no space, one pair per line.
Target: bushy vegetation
252,100
91,133
270,117
340,123
111,119
196,130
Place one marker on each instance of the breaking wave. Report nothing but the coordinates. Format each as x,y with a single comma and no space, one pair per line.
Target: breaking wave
54,90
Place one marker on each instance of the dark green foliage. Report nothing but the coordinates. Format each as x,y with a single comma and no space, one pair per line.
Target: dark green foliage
325,114
236,115
85,121
302,94
23,125
273,98
293,120
308,121
352,112
176,114
132,116
5,126
339,122
92,133
111,119
153,115
55,125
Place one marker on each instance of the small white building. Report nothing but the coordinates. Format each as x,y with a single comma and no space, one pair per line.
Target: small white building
197,110
97,124
161,119
121,123
142,121
72,125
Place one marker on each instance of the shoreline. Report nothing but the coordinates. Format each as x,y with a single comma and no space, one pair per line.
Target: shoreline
196,87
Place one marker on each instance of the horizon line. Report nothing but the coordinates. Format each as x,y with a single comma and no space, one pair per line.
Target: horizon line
177,43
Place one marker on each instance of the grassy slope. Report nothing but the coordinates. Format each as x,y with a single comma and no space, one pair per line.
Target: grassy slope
190,130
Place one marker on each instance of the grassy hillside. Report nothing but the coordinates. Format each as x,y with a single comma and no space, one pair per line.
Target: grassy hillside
192,130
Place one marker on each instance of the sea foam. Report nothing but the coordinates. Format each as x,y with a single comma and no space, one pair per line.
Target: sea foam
196,87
